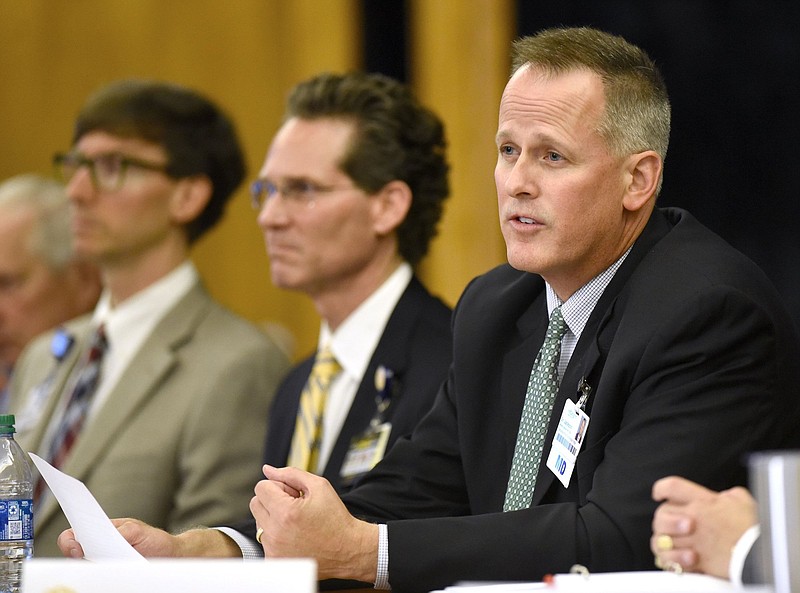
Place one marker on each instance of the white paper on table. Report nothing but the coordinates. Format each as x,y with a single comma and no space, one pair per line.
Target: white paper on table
159,575
616,582
654,581
511,587
98,537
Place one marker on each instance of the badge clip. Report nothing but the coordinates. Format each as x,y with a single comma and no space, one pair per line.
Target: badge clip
384,390
584,390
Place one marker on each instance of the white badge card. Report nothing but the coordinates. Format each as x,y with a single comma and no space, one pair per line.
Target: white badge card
366,450
567,442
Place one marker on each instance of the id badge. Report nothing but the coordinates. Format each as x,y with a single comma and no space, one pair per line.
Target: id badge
366,450
567,442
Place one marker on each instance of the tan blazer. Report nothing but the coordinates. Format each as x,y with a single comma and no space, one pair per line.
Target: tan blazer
179,439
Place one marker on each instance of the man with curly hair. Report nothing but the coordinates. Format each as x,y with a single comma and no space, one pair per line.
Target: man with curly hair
349,198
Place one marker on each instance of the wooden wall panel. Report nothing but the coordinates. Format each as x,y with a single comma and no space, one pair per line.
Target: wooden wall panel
243,54
460,65
246,55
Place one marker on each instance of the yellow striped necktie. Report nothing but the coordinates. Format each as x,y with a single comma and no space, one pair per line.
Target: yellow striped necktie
304,452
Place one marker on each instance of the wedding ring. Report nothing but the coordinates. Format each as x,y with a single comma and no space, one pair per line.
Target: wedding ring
668,565
664,543
259,533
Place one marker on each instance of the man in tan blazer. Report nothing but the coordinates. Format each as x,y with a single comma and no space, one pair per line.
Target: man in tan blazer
173,429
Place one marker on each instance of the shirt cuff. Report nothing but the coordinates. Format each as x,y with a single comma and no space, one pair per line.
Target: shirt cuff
251,550
740,552
382,578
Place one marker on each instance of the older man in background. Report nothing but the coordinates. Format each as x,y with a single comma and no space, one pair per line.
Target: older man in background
42,283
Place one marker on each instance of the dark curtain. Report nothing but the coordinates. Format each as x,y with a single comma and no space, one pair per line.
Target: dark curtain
731,70
385,47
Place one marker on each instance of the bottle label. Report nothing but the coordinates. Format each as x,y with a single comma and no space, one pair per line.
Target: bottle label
16,519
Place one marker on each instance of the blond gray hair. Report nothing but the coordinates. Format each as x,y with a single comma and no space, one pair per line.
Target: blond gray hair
637,112
51,236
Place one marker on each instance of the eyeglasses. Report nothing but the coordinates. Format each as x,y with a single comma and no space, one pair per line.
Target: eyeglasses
107,170
297,192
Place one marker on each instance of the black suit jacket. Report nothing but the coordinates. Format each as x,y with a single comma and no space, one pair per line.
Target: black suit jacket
416,344
692,361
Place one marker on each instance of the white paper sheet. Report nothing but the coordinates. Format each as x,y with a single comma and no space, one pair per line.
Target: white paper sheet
616,582
93,529
47,575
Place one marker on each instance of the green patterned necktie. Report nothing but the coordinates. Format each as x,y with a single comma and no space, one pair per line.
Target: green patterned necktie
539,398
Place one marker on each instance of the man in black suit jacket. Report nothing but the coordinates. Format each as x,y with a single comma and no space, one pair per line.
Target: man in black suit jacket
415,345
678,349
347,229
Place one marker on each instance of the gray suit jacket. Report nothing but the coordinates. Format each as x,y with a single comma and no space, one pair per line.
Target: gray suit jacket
179,438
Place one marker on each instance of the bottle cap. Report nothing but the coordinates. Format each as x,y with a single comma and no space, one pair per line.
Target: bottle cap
7,423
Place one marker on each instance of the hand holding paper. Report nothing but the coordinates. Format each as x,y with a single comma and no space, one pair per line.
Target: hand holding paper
93,529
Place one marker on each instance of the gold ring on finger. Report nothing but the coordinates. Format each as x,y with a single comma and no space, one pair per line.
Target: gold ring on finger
664,543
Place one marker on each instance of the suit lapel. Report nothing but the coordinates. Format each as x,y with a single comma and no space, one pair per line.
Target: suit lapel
139,382
517,367
391,352
45,396
588,359
283,414
587,367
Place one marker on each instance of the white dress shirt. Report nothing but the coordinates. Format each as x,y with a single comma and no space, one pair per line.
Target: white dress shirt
740,552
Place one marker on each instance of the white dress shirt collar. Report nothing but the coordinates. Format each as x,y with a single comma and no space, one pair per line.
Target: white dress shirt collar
577,309
130,323
355,340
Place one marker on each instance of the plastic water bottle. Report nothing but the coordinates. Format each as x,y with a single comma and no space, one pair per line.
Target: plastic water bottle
16,508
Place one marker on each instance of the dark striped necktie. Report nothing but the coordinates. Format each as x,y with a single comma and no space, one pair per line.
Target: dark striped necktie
78,403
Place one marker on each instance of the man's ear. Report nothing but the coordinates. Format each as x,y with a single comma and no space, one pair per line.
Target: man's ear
643,175
190,198
390,206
